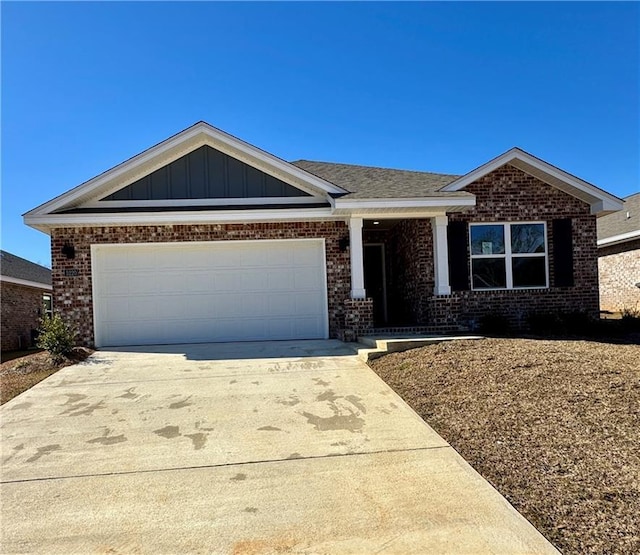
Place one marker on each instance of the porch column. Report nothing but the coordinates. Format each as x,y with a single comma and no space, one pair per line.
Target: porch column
440,255
357,260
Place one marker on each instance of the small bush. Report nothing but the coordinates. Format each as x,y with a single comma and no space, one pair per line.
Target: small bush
56,337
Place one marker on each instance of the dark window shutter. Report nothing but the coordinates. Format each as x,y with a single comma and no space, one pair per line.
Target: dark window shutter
458,257
562,253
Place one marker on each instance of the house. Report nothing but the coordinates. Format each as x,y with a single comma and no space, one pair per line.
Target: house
204,237
25,292
619,257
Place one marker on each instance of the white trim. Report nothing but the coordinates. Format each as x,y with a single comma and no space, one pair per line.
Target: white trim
95,248
508,256
356,255
438,202
26,283
619,238
45,222
440,255
600,200
202,202
165,152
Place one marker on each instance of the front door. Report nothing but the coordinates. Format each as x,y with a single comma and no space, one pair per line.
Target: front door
375,281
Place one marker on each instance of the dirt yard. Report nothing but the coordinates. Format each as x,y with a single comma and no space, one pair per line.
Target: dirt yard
19,374
553,425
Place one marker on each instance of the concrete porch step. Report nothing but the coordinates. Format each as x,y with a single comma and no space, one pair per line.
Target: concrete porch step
375,346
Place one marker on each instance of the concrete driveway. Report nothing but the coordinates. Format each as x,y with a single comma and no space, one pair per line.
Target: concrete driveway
238,448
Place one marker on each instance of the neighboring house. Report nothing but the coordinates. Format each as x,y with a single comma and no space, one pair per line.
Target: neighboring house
26,292
619,257
204,237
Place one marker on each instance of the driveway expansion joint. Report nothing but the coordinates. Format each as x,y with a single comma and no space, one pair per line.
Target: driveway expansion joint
225,465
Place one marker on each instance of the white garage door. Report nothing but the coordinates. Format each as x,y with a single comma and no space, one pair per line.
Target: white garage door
146,294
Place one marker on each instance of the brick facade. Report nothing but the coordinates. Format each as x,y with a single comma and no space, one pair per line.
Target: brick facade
358,318
73,294
619,269
21,311
504,195
510,195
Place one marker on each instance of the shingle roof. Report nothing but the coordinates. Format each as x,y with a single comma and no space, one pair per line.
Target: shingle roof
618,222
15,267
371,182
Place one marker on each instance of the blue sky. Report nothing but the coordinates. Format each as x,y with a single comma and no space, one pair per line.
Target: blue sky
427,86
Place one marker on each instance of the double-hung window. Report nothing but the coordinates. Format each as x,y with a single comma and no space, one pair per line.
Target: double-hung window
509,255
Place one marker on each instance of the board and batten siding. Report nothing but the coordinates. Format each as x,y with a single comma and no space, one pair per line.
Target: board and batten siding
206,173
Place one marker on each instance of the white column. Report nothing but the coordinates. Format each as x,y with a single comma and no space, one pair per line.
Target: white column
440,255
357,260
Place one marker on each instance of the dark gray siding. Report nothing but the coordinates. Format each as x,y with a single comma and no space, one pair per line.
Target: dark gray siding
206,173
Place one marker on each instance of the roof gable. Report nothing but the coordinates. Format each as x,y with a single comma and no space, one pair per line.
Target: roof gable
202,174
174,148
600,201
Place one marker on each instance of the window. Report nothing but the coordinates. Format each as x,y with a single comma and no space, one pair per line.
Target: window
47,303
508,256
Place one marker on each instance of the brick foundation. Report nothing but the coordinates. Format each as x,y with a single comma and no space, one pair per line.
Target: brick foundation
73,294
21,311
619,269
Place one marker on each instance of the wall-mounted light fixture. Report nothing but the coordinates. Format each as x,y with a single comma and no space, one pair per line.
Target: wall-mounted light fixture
69,250
343,244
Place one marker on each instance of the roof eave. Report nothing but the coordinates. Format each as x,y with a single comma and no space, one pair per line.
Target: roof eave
618,239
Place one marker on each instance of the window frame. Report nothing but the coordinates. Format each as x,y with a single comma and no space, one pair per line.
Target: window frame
508,256
47,312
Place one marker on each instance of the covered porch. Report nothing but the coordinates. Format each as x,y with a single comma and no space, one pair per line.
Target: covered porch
399,269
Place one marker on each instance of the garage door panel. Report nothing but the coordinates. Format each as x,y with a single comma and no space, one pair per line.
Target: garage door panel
200,292
198,281
305,279
279,279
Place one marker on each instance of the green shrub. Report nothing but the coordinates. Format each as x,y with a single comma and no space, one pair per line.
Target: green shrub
56,336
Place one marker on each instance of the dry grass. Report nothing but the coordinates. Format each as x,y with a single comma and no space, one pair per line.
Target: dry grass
22,373
553,425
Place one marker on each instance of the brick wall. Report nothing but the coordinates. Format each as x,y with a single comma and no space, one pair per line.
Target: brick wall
73,294
619,269
508,195
21,310
358,318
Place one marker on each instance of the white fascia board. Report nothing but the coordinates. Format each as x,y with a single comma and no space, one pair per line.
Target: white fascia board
415,215
592,192
47,221
622,238
389,203
26,283
165,152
